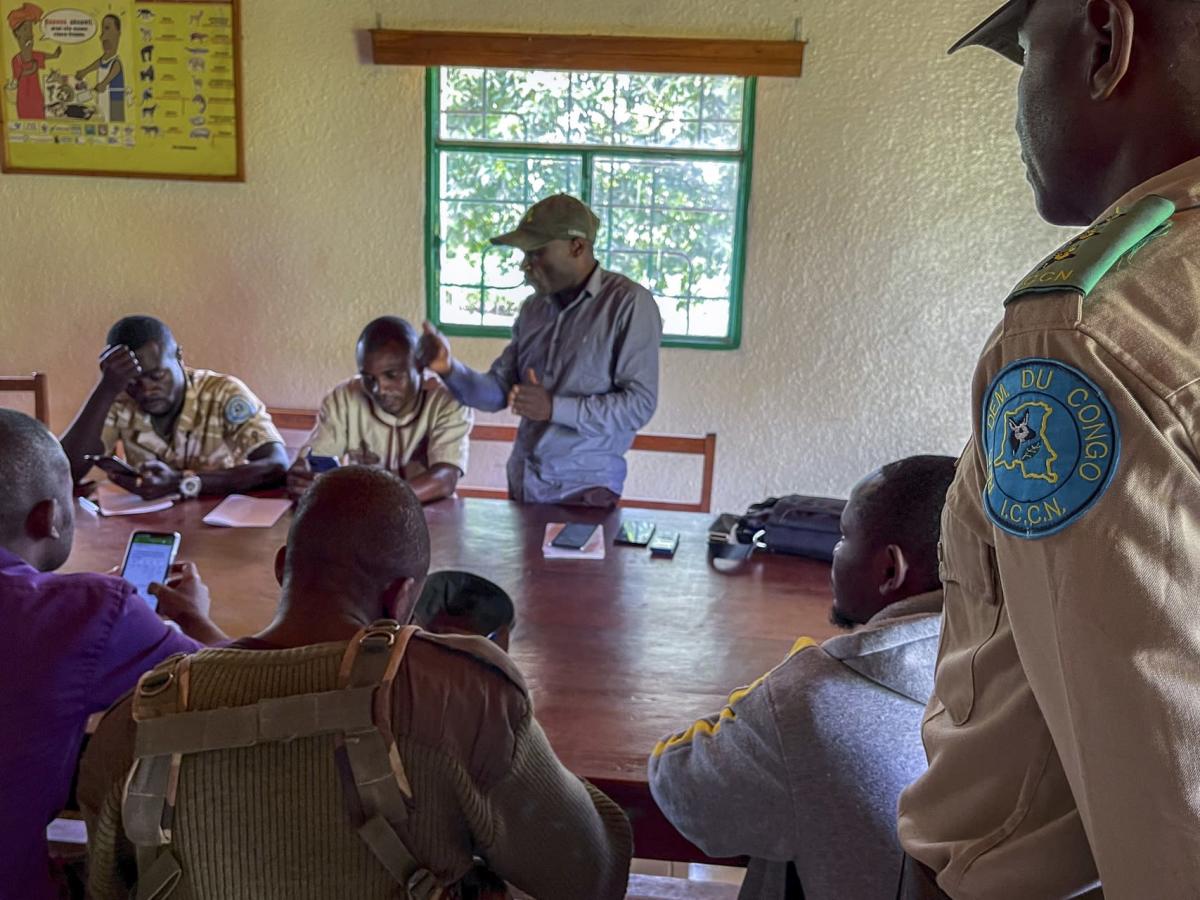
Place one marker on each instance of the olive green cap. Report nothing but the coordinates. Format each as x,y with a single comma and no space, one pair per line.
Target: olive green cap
558,218
999,32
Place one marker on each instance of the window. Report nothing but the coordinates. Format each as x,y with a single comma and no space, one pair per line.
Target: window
663,160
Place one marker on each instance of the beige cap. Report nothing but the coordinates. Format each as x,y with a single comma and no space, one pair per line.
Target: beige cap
558,218
999,32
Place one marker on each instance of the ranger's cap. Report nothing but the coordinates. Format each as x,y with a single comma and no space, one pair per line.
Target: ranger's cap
999,32
558,218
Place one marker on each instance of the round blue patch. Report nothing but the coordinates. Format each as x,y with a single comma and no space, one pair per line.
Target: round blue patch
238,410
1052,443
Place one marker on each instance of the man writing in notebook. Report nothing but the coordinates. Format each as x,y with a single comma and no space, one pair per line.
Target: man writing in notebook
581,369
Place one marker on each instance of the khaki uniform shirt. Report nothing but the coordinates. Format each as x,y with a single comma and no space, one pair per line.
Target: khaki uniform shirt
220,425
1064,732
352,427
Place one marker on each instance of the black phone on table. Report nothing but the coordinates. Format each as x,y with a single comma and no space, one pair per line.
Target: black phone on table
635,533
665,544
110,465
574,536
148,558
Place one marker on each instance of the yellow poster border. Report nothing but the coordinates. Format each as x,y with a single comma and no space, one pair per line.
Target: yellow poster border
237,177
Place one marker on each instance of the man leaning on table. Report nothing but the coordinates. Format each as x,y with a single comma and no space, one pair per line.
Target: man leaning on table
186,431
581,369
69,646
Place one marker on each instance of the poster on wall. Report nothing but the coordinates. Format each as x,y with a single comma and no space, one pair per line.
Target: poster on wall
121,87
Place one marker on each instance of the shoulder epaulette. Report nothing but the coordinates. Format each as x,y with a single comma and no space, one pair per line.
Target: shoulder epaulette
1080,263
482,651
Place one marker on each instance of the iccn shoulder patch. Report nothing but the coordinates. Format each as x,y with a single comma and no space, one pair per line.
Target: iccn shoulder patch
1052,444
238,410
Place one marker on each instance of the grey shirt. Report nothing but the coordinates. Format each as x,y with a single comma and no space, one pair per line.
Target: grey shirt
598,357
807,764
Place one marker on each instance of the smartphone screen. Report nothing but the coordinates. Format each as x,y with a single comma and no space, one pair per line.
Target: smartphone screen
322,463
147,559
635,532
574,536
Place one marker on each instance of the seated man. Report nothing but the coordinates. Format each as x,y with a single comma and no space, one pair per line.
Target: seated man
478,776
386,417
803,769
581,369
186,431
69,646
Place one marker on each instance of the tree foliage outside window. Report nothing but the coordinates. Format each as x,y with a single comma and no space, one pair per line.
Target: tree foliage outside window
663,160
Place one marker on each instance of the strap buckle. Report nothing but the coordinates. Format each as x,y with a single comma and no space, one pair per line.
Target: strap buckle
380,635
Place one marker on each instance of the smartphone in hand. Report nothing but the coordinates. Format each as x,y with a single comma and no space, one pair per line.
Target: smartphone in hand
148,558
110,465
319,464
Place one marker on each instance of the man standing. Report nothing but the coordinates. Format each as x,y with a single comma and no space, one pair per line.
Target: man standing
461,770
805,765
1062,732
186,431
387,417
582,367
69,646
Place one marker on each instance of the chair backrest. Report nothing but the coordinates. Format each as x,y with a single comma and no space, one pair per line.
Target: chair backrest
36,384
704,447
296,424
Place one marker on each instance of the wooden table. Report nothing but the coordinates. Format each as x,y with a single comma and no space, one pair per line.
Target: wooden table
617,653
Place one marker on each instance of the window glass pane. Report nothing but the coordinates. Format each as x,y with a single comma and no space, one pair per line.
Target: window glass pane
591,108
482,195
670,225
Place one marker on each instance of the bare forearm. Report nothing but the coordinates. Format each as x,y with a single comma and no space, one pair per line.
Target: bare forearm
438,482
83,435
201,628
258,475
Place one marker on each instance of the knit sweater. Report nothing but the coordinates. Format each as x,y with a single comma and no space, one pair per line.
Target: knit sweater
270,821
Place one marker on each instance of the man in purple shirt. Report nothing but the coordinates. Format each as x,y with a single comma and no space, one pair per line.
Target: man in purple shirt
69,646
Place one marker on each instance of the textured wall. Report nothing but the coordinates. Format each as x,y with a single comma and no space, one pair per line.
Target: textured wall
888,218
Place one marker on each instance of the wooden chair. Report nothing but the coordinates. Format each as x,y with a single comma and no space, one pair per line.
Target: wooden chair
705,447
35,384
295,425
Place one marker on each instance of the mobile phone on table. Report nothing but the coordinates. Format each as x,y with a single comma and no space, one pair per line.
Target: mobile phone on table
635,533
665,544
320,464
574,536
110,465
148,558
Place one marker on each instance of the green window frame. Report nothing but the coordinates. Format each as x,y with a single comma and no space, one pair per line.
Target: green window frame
441,152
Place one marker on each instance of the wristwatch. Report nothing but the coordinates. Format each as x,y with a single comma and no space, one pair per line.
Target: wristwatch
189,485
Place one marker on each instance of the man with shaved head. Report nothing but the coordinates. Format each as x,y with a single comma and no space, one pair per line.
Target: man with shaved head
386,417
484,794
185,431
1062,732
69,646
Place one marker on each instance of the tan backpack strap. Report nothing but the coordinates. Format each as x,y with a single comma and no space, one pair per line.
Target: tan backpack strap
372,659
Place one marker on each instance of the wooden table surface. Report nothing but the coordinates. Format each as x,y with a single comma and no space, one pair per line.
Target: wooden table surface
617,652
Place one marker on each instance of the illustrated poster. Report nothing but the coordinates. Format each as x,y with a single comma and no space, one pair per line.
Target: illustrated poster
123,88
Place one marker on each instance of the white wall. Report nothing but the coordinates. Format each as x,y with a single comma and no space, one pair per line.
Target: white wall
889,217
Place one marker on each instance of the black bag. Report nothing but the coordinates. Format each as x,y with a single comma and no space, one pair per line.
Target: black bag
795,524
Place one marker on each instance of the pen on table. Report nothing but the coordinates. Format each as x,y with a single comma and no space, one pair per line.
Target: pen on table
89,506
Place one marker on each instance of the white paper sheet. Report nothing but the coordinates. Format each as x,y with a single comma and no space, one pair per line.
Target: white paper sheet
593,549
67,831
240,511
115,501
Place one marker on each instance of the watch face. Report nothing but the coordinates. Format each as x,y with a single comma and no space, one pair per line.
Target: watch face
190,485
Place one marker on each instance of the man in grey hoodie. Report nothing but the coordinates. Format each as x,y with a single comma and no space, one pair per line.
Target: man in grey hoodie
802,770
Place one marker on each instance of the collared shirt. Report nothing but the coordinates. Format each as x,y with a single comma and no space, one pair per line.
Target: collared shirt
432,432
70,645
809,760
598,357
220,425
1062,731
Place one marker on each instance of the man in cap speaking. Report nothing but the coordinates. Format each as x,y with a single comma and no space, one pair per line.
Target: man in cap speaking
581,369
1061,736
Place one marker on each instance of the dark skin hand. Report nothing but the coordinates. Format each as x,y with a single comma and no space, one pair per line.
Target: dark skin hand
530,400
265,469
184,600
119,367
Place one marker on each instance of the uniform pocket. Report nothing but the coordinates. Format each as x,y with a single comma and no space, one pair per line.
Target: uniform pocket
970,618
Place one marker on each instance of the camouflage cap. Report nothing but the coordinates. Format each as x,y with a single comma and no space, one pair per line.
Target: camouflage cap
999,32
558,218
